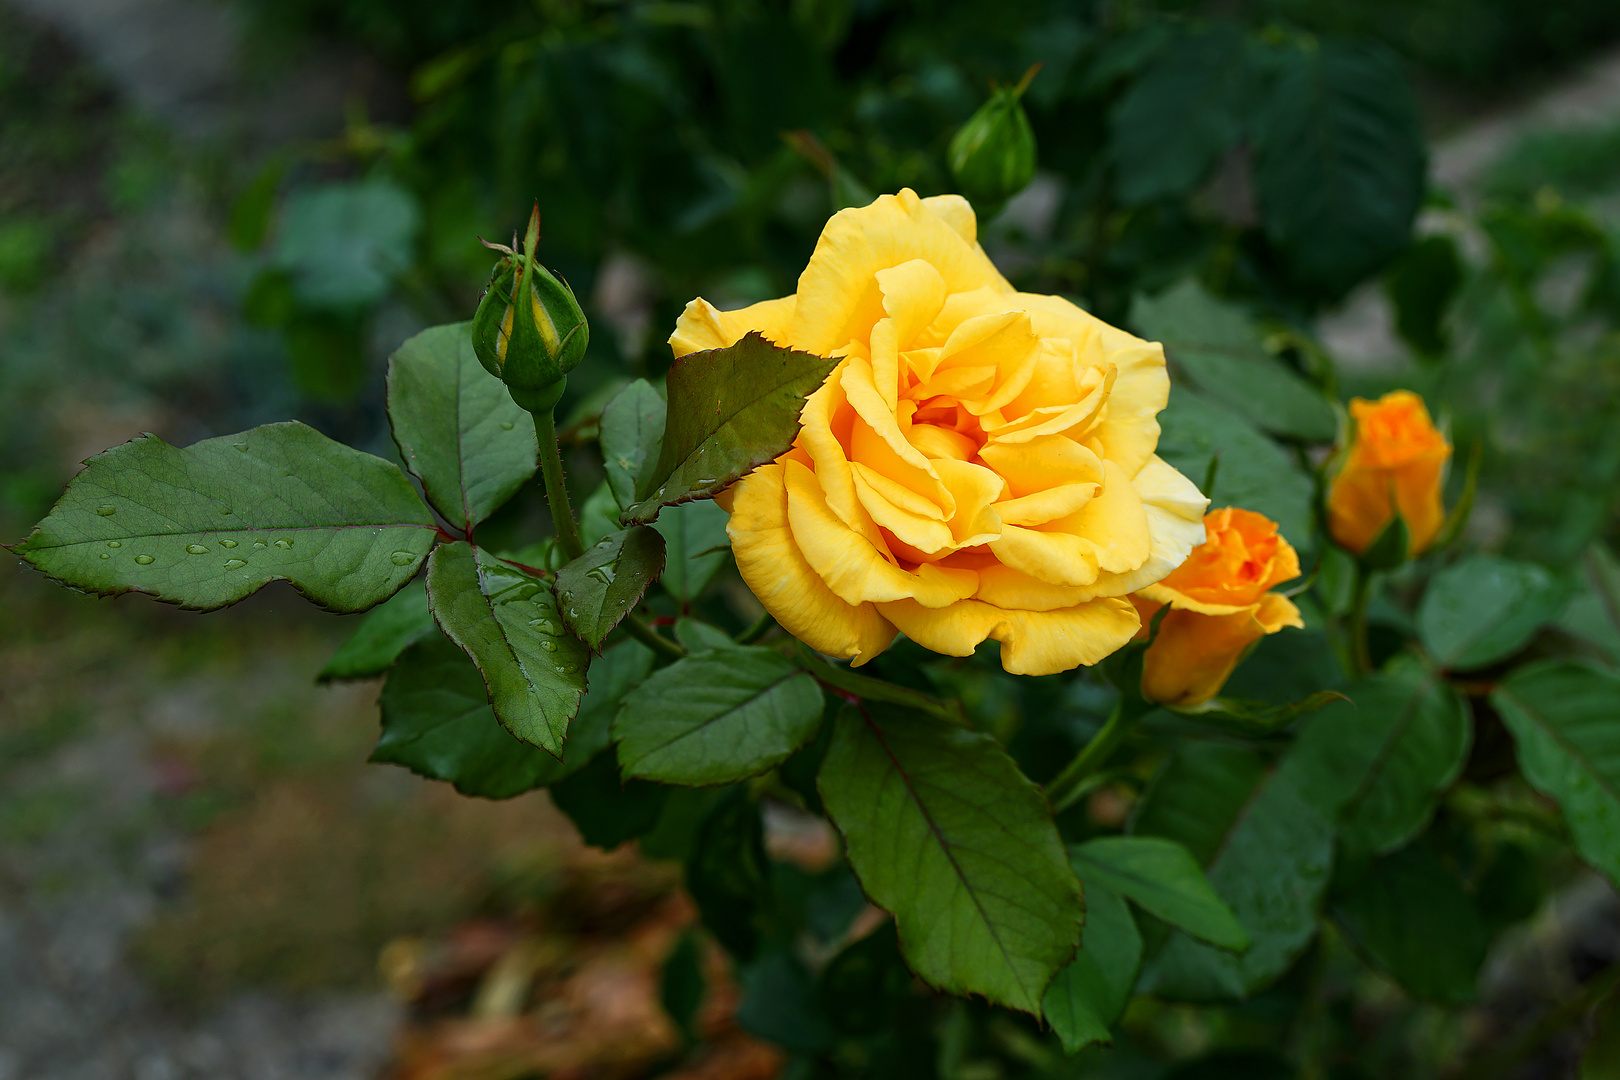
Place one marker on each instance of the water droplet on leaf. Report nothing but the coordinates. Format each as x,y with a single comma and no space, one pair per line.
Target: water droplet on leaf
227,543
235,564
548,645
284,543
196,549
144,560
106,511
115,543
604,574
506,425
104,555
402,558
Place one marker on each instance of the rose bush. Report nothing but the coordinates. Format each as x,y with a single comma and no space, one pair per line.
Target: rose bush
979,465
1220,605
1395,464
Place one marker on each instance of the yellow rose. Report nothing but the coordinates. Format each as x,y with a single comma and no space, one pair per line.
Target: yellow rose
979,465
1396,463
1219,606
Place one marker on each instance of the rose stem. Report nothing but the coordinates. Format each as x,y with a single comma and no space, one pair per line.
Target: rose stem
562,515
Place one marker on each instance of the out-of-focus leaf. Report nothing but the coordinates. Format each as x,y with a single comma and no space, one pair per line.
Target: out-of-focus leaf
436,721
859,987
728,873
632,428
1254,473
717,717
730,410
1090,992
946,834
1197,794
1399,740
1219,348
386,631
1161,877
506,620
692,532
779,1003
1339,161
1594,612
607,811
1484,608
343,243
1422,285
597,590
209,524
1562,714
1182,113
457,428
1413,918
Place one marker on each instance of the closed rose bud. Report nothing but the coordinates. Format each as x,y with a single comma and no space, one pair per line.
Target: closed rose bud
992,156
1394,465
529,346
1220,605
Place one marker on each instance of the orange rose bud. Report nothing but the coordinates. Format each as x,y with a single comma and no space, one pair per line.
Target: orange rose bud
1220,605
1394,466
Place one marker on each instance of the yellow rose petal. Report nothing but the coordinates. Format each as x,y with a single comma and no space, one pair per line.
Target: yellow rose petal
703,326
1032,642
774,569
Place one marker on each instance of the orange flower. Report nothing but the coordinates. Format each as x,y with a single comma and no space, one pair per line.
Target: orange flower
1220,605
1394,466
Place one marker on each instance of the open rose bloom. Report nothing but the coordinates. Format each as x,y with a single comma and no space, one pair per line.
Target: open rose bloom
979,465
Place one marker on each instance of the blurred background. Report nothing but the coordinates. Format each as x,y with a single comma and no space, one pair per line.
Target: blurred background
219,213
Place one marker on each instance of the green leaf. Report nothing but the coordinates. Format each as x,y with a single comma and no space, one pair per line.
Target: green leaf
344,242
1090,992
1562,714
386,631
1339,161
1593,614
598,515
436,721
717,717
1485,608
210,524
1385,755
859,988
456,427
597,590
1376,763
692,532
779,1004
632,428
946,834
1218,347
867,688
1601,1058
1255,473
607,811
1422,285
1413,918
728,874
1180,115
1162,878
1271,868
506,620
1197,794
696,637
730,410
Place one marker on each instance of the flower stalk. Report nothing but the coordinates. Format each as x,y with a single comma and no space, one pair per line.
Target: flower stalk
562,514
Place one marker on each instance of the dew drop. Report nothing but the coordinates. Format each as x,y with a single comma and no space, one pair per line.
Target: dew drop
144,560
258,544
106,511
399,558
604,574
104,555
548,645
227,543
196,549
506,425
283,543
242,446
235,564
115,543
225,510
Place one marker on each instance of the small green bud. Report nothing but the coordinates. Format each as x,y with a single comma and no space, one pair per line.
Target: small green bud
531,347
992,156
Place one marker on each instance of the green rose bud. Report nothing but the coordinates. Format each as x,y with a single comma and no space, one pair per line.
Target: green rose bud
529,346
992,156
